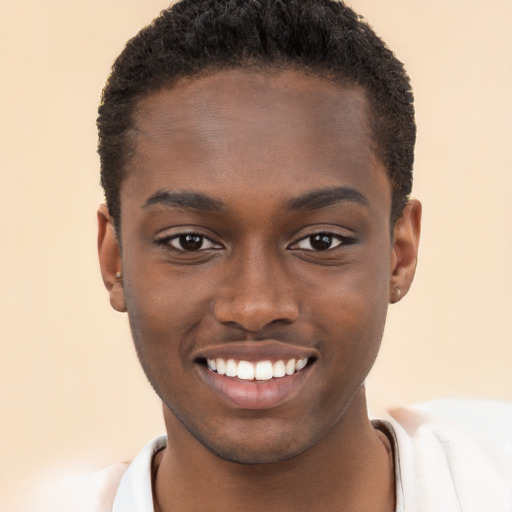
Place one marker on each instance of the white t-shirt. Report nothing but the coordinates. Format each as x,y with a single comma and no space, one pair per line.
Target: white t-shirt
449,455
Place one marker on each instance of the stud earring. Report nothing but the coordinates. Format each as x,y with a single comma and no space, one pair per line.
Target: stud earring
119,275
398,291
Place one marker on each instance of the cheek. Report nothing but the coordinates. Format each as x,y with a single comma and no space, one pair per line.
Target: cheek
351,311
354,328
164,313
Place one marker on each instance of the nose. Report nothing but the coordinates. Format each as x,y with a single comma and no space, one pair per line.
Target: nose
256,291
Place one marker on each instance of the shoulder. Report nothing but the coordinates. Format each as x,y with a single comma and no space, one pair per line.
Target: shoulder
120,487
489,418
77,490
455,451
101,487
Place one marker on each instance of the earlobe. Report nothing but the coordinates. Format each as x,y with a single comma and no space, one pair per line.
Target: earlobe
404,256
110,259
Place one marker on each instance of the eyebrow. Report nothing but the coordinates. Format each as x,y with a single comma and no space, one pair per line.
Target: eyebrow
314,200
185,199
321,198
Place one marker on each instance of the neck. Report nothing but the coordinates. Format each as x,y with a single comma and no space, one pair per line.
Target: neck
351,468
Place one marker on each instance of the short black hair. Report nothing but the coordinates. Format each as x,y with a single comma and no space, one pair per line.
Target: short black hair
324,37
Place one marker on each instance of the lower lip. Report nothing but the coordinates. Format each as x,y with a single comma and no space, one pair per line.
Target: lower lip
253,394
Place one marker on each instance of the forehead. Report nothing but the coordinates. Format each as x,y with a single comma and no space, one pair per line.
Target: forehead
317,102
268,131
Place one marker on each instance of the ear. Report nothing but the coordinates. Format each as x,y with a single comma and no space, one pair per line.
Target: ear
110,259
406,237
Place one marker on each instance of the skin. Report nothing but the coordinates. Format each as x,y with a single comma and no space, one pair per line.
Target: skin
260,146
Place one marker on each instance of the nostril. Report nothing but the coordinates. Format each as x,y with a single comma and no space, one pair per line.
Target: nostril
254,319
251,305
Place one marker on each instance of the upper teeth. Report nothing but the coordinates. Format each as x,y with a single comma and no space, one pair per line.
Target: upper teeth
261,370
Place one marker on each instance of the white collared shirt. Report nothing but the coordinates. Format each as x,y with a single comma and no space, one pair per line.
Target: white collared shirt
441,465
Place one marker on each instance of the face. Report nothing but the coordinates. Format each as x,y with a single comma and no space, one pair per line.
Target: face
257,257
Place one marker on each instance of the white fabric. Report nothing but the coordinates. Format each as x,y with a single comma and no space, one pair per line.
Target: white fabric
446,466
440,465
135,491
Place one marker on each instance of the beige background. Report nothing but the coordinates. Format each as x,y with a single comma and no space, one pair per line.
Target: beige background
71,391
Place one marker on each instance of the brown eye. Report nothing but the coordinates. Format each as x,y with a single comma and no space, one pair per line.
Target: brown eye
190,242
321,242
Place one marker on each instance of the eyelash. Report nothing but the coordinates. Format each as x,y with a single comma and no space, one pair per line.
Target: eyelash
167,241
322,237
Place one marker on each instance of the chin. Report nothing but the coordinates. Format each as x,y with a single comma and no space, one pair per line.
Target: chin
247,442
253,455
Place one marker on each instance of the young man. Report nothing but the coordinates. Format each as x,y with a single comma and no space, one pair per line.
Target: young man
256,159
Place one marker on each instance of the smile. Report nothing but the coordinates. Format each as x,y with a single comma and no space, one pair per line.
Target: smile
256,375
259,370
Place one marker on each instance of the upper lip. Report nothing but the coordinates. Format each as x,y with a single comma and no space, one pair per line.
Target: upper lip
253,351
